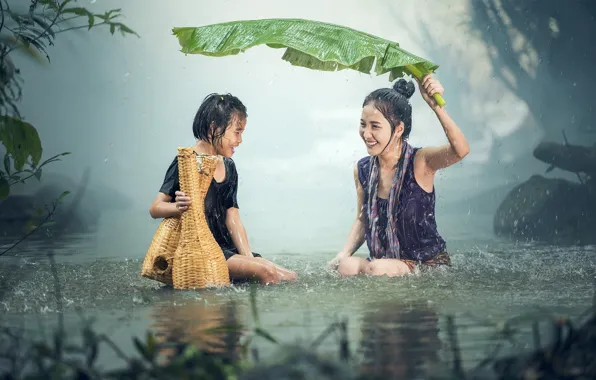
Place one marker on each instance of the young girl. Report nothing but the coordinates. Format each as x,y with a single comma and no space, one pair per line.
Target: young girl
395,185
218,127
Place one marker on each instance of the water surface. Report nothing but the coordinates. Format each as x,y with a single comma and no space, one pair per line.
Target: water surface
491,280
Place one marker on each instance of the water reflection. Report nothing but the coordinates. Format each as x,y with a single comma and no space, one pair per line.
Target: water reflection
399,339
209,324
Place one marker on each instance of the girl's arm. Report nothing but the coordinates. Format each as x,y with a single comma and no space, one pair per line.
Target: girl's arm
437,158
237,231
354,241
357,233
162,208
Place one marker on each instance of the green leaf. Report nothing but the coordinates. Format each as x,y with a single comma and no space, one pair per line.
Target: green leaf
112,28
30,225
264,334
79,11
190,351
54,158
38,174
4,188
113,13
21,141
64,194
91,20
7,163
311,44
253,303
125,29
65,3
46,27
151,346
142,348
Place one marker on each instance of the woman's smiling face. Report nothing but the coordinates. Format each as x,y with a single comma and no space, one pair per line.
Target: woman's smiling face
375,130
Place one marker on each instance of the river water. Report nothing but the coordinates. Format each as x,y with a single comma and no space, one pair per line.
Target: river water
399,324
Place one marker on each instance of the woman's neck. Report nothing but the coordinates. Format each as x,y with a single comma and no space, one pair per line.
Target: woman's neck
389,159
203,147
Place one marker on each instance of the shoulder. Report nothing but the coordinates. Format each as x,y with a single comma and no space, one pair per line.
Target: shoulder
362,168
173,168
418,154
229,163
230,167
364,160
363,164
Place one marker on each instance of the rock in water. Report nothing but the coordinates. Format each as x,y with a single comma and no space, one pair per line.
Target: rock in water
548,210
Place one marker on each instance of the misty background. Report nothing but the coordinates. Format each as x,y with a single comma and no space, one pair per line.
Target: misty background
123,105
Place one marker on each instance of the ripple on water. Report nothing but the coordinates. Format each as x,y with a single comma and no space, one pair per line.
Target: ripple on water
487,283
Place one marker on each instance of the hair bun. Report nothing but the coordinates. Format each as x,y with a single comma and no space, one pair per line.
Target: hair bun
404,87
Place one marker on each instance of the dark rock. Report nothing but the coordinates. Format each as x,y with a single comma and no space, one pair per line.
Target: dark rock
548,210
79,212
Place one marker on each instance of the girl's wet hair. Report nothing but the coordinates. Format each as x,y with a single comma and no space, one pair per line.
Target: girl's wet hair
394,104
214,116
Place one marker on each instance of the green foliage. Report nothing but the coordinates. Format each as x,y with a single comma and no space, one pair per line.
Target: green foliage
32,31
24,147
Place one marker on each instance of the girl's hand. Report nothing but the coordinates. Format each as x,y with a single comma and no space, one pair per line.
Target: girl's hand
428,87
182,201
334,263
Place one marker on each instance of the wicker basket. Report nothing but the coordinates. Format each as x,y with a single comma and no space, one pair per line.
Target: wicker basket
158,260
183,252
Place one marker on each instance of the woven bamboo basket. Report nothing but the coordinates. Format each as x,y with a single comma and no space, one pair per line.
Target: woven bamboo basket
183,252
160,255
199,261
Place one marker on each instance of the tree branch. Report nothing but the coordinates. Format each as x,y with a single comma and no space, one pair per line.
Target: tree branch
48,216
43,33
1,11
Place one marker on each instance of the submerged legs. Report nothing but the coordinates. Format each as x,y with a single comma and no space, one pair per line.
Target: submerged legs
256,268
353,266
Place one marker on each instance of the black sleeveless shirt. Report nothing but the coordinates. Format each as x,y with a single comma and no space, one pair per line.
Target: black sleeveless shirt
220,197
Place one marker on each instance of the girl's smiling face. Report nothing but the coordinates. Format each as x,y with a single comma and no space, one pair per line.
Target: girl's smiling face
232,138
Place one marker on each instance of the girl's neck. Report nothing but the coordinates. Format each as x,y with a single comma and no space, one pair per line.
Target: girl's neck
203,147
389,159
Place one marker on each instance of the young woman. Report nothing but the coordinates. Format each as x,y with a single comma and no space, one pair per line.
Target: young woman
218,127
395,185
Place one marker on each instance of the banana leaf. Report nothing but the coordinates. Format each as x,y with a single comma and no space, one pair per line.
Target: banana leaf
311,44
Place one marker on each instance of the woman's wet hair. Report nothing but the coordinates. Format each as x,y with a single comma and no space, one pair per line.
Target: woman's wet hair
394,104
214,116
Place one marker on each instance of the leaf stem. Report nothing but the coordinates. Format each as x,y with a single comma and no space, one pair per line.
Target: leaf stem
418,74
